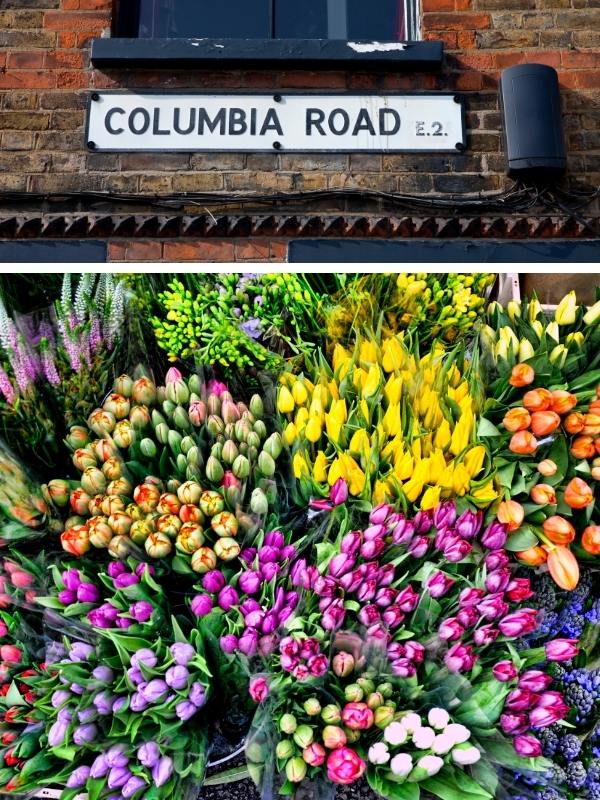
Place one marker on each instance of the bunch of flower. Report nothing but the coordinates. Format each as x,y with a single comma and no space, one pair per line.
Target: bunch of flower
201,516
391,424
20,581
114,711
538,467
432,305
233,320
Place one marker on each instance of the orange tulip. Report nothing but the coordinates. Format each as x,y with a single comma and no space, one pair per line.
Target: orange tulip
523,442
583,447
563,567
511,514
574,423
516,419
592,424
590,540
594,407
76,540
533,557
578,494
597,445
544,422
596,473
521,375
547,468
598,390
558,530
537,399
562,402
543,495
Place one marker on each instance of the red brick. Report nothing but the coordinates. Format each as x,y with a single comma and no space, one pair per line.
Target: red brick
468,81
252,250
581,60
503,60
26,60
587,79
480,61
466,40
144,251
117,251
438,5
465,21
318,80
96,5
72,80
27,79
199,251
75,21
59,59
279,251
67,40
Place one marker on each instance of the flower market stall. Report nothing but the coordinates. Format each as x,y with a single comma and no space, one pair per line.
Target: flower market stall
312,531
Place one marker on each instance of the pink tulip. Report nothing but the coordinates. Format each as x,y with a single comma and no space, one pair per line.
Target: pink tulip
439,584
527,746
344,766
561,649
492,607
407,600
504,671
521,700
485,635
512,723
450,630
519,590
535,680
460,658
259,688
520,622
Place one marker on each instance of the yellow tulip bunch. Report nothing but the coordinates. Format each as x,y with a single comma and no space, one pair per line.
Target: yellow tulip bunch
389,422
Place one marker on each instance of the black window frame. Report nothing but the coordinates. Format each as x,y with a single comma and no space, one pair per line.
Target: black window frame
124,49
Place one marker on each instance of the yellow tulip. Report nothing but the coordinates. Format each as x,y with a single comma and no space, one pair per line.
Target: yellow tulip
576,338
337,470
485,495
553,331
321,393
460,480
300,466
313,429
443,435
320,467
316,408
488,337
403,468
566,311
371,385
538,328
431,498
290,434
367,353
513,309
412,489
525,350
437,465
393,355
534,310
356,481
338,411
340,357
381,493
359,443
285,401
299,393
359,376
559,355
333,428
391,420
301,418
473,460
421,471
592,315
365,411
393,389
333,390
461,434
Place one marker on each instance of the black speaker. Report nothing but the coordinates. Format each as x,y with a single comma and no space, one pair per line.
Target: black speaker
533,131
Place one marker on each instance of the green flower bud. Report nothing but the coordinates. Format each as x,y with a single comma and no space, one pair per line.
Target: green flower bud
216,450
181,419
148,448
366,685
211,503
93,481
375,700
215,424
258,502
241,429
195,384
288,724
174,439
312,707
241,467
253,440
229,430
331,714
230,452
383,716
260,428
213,405
386,689
257,406
181,462
353,693
303,736
295,770
273,446
285,749
162,432
214,470
169,408
157,418
177,391
186,444
351,735
140,531
123,385
266,464
194,458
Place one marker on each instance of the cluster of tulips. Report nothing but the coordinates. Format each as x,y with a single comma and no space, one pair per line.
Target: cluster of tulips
392,425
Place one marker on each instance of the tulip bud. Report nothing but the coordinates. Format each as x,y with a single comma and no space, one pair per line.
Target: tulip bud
120,523
544,422
174,441
162,432
295,770
511,514
197,413
189,538
59,493
158,545
547,468
343,664
367,685
563,567
181,419
241,467
516,419
227,549
333,737
523,443
83,458
273,446
303,736
229,452
117,405
203,560
590,540
331,714
521,375
266,464
76,540
562,401
558,530
214,471
124,435
312,707
542,494
533,557
77,437
177,392
211,503
383,716
578,494
123,385
566,311
139,531
260,428
215,425
100,532
101,422
353,693
259,503
139,417
285,749
288,724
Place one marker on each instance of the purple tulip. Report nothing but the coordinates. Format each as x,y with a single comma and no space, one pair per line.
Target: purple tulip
369,615
119,704
268,554
162,771
103,674
470,597
543,716
270,622
135,675
468,524
527,746
444,515
103,703
367,590
148,754
380,513
395,651
80,651
497,560
213,581
485,635
197,695
468,617
423,521
182,653
457,550
228,643
450,630
124,622
299,574
116,568
520,622
386,597
535,680
59,697
334,617
513,723
274,539
288,553
269,570
338,494
76,688
267,645
144,656
561,649
67,596
185,710
444,537
498,581
98,620
177,677
351,543
494,536
372,549
71,579
248,555
84,734
141,611
505,671
374,532
393,616
254,619
460,658
57,733
88,593
118,777
407,600
115,756
249,605
326,586
109,611
403,668
341,564
419,546
439,584
201,605
521,700
126,579
99,767
351,581
248,642
133,785
87,714
228,598
138,702
403,532
78,777
155,690
492,607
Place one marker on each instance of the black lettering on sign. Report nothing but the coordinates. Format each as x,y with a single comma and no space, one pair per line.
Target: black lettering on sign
271,123
211,124
395,122
139,112
315,117
177,120
156,125
237,122
339,112
253,121
108,120
363,123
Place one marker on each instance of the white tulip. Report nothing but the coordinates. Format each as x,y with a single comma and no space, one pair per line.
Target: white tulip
442,744
431,764
438,718
423,738
395,733
458,732
401,764
465,756
411,722
378,753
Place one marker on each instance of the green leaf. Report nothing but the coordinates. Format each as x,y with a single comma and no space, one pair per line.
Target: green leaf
325,552
487,429
230,776
448,786
50,602
94,788
522,539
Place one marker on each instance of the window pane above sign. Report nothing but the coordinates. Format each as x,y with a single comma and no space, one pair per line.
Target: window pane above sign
124,121
205,18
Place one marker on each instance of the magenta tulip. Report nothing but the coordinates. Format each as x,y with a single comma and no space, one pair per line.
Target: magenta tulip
561,649
505,671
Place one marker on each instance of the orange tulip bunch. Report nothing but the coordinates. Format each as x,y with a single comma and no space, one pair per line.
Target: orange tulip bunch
585,427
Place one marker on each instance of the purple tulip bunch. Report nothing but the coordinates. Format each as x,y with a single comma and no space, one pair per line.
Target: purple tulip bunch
302,657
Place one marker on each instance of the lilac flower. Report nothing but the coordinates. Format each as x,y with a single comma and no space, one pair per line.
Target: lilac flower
78,777
76,688
197,695
99,767
98,619
141,611
144,656
119,704
248,642
133,785
144,569
185,710
228,597
116,568
6,388
155,690
250,582
80,651
228,643
103,674
252,327
124,622
177,677
135,675
84,734
162,771
182,653
201,605
67,597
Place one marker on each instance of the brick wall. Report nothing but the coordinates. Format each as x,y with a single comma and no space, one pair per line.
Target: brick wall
45,78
